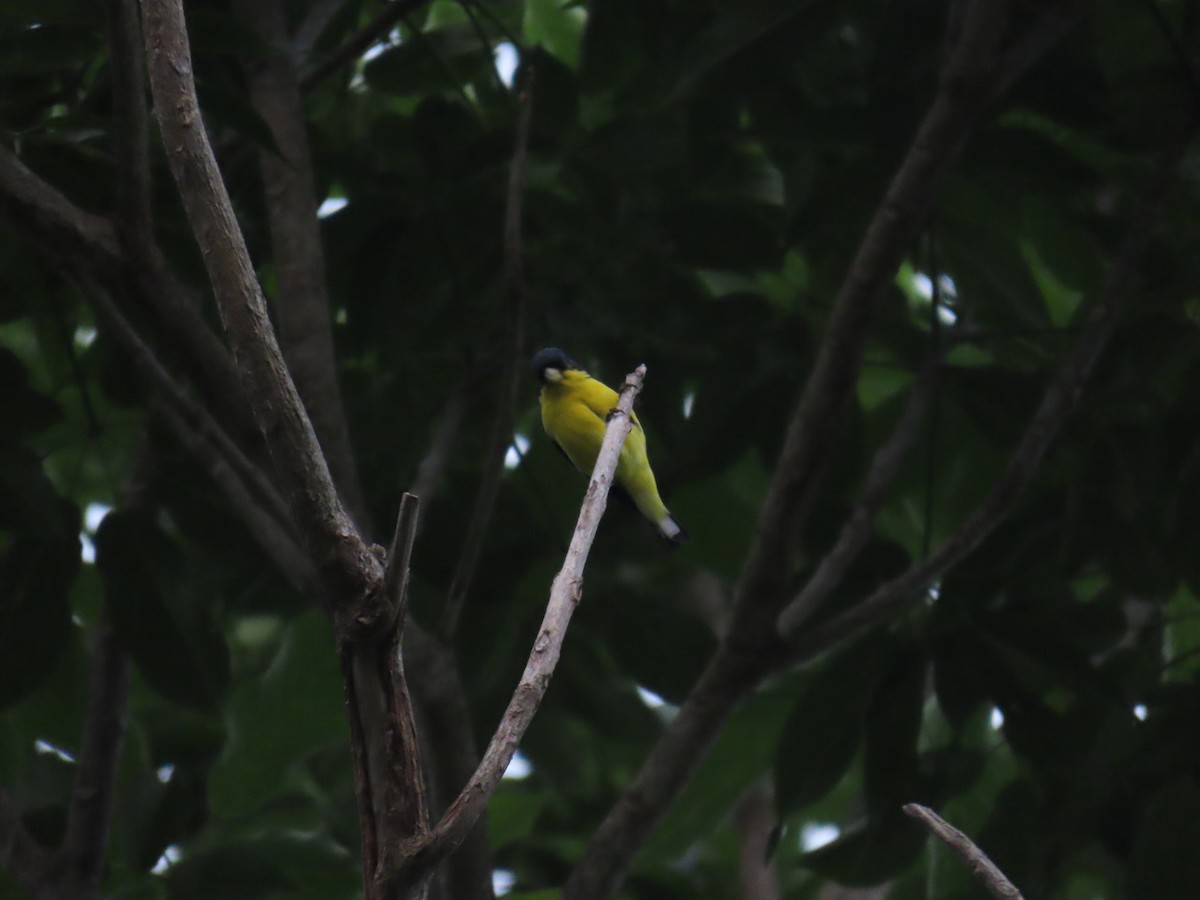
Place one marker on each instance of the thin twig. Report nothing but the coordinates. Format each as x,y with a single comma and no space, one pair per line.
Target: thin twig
399,555
346,565
860,524
502,426
985,871
374,31
565,594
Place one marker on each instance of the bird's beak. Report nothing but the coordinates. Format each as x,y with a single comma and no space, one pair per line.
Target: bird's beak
554,375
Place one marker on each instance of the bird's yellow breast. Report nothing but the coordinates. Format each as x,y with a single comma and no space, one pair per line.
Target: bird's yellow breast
574,413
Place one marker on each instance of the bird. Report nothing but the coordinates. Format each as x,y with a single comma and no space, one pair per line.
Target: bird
575,408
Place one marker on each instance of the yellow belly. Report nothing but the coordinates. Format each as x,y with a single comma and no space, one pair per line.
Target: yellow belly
574,415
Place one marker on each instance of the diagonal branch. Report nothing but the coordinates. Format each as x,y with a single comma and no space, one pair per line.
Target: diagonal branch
966,84
46,208
565,594
986,871
350,573
161,382
370,34
152,292
246,488
502,425
861,524
1060,399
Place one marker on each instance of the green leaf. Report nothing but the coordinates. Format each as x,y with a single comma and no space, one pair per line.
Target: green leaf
556,25
890,763
871,854
740,756
29,504
511,814
825,726
168,629
35,583
296,707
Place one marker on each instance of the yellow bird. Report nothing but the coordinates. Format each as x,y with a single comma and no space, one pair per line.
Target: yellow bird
575,408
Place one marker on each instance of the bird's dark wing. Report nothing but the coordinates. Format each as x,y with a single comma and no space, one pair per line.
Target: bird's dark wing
558,447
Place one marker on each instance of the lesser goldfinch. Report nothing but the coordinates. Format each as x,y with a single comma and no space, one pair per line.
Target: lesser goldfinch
575,408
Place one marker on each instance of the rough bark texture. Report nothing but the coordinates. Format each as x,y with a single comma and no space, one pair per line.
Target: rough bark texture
301,306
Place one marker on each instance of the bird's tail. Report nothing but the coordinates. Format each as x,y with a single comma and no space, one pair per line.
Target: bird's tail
672,531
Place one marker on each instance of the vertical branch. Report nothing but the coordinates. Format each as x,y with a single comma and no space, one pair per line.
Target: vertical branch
21,856
502,425
387,767
133,150
95,778
301,306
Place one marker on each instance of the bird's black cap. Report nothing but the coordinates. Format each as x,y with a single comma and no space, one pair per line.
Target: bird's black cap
551,358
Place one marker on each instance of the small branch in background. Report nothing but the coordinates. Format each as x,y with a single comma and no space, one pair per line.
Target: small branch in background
1054,21
301,313
372,33
437,454
984,870
44,206
349,571
159,381
61,228
134,218
273,537
502,426
314,23
565,594
23,858
67,336
451,756
754,820
861,523
88,816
